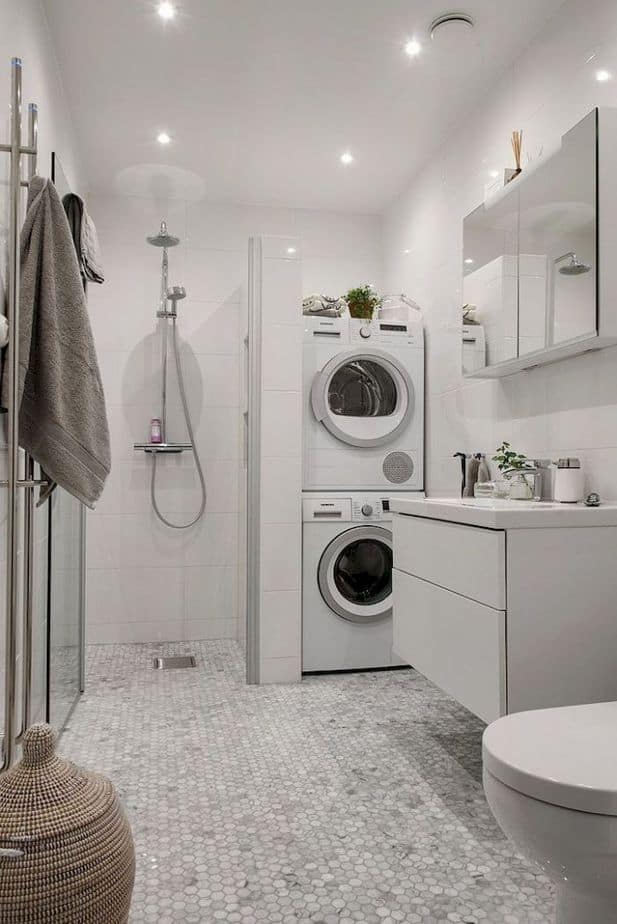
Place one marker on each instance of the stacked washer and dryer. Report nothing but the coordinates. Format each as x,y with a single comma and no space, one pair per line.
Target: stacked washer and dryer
363,441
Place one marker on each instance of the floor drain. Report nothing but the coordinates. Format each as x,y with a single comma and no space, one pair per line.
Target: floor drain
174,663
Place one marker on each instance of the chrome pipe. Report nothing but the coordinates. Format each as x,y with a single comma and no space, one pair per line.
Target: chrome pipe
33,139
12,519
82,598
28,574
28,595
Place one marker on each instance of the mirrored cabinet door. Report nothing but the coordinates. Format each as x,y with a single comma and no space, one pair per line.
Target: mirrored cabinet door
490,285
530,262
558,244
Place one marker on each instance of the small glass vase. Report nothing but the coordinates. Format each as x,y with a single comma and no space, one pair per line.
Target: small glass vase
520,488
502,489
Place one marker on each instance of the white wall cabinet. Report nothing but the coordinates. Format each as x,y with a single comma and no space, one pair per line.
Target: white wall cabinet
538,257
505,620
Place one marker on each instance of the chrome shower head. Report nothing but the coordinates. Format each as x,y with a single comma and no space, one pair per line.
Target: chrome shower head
163,238
176,294
573,267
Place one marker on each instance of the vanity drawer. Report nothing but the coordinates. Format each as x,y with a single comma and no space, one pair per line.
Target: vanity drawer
466,559
455,642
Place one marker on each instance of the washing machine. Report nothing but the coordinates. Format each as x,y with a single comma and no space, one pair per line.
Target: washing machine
346,582
363,392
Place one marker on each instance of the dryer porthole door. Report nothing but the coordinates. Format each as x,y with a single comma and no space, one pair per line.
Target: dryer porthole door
363,397
355,574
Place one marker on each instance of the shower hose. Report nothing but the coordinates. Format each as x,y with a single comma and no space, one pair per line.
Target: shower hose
189,427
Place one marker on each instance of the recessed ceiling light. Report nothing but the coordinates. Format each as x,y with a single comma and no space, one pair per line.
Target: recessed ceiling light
291,250
602,76
166,10
469,261
494,174
347,158
163,138
407,250
413,48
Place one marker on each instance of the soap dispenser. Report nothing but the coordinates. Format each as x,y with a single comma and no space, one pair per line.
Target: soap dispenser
569,481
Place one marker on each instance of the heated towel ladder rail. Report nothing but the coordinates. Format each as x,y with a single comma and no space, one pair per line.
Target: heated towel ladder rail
14,728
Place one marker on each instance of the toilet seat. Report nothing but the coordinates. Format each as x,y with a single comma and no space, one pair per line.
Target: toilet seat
565,756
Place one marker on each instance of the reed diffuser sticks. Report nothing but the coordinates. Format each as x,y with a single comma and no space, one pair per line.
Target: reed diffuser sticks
517,147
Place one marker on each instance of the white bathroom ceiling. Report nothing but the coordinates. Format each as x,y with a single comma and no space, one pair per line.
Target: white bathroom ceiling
261,97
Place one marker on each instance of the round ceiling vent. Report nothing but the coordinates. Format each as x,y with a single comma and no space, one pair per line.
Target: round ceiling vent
451,25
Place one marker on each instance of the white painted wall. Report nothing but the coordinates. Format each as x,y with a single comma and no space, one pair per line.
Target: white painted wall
567,408
25,34
147,582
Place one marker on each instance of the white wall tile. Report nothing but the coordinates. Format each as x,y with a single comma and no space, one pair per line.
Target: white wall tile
280,670
281,292
209,593
281,416
280,556
281,356
280,627
281,486
121,596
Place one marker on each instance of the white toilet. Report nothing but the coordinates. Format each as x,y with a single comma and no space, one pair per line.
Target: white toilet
550,777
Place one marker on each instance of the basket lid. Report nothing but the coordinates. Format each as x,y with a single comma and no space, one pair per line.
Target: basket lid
45,794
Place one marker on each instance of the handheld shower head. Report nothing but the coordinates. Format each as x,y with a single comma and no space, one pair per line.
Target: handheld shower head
573,267
163,238
176,293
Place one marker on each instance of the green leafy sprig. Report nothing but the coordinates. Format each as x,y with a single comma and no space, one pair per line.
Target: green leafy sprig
362,302
506,458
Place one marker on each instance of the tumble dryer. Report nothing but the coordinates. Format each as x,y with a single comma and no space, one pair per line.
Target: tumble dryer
346,582
363,391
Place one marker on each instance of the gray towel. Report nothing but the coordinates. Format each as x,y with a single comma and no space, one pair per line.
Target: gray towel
62,423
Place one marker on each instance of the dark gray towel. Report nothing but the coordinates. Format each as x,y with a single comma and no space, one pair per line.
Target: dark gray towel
63,422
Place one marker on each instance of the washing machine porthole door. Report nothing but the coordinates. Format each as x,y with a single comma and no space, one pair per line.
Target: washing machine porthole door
355,574
363,397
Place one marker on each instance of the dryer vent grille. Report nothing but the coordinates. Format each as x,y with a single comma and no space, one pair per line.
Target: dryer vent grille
398,467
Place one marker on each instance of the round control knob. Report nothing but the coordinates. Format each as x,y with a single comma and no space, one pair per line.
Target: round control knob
367,510
365,332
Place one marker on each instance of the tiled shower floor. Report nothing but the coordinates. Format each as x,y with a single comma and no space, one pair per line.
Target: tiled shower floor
350,798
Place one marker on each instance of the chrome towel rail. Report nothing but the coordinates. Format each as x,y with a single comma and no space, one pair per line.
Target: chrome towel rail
13,482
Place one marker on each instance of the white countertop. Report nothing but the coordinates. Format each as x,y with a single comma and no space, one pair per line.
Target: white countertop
504,514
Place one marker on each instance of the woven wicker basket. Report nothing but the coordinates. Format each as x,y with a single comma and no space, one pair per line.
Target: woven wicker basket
66,850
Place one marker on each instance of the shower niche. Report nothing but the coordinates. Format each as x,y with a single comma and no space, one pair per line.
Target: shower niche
539,271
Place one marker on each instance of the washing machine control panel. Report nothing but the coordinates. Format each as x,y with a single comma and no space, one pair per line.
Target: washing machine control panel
386,334
370,508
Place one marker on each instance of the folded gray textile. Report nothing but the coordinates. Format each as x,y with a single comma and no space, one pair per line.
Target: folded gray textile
84,237
324,305
74,208
90,251
62,419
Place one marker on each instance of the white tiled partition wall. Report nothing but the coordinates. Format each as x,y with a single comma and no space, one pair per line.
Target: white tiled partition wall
145,581
280,627
569,408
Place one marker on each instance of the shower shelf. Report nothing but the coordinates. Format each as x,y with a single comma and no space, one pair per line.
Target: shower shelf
163,447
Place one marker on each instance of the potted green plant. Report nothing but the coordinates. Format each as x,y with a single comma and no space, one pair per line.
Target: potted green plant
363,301
516,464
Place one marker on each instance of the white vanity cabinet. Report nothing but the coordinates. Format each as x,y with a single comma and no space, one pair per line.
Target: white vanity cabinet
507,608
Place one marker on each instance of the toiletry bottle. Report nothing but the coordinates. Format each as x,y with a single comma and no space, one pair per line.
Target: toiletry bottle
569,481
484,473
471,475
463,457
156,431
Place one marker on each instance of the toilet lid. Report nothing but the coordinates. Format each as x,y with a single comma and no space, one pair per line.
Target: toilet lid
565,756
